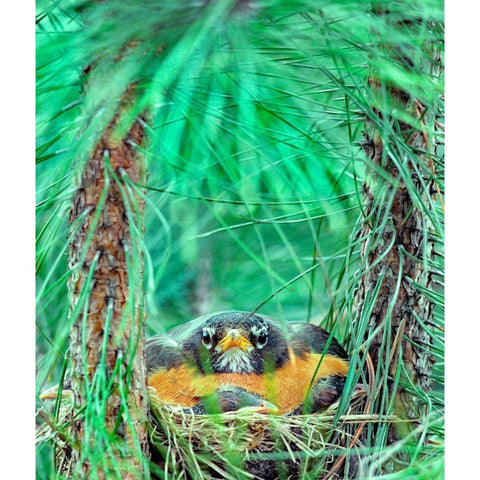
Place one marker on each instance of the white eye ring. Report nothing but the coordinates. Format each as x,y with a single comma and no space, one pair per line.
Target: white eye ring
207,335
262,339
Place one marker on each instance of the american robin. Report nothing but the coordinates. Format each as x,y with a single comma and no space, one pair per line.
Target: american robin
229,399
289,365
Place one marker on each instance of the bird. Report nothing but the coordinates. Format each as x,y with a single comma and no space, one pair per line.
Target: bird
247,361
66,394
233,399
295,366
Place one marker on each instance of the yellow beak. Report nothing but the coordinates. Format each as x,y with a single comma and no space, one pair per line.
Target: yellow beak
234,338
264,408
52,392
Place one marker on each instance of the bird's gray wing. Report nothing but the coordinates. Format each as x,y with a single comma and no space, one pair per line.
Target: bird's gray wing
176,347
161,351
312,338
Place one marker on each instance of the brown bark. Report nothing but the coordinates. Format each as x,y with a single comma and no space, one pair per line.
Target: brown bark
396,259
107,338
397,240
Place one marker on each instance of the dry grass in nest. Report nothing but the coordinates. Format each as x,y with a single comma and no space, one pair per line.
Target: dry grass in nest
242,445
56,431
236,445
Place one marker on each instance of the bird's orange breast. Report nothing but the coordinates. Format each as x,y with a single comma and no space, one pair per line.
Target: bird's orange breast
286,387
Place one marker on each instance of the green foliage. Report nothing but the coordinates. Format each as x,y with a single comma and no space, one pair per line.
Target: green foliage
255,113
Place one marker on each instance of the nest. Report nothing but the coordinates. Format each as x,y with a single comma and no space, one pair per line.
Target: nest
245,445
57,432
235,445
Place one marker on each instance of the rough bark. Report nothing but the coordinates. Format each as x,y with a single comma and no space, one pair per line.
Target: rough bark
397,240
402,248
107,338
396,259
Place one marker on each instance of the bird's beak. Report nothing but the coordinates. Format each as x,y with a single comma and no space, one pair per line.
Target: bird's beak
264,408
234,338
52,393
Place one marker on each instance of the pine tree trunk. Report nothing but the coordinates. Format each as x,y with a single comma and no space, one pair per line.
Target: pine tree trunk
395,257
397,252
107,338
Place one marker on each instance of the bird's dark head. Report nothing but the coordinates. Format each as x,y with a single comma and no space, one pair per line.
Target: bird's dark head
241,342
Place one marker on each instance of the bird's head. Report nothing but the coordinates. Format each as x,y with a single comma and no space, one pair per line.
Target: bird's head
241,342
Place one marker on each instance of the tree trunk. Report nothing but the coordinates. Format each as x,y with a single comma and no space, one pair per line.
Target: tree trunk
107,337
397,242
394,257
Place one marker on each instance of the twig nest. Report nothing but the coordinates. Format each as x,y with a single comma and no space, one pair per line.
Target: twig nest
233,445
238,445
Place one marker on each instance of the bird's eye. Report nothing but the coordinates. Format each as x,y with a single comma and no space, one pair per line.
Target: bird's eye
206,338
262,339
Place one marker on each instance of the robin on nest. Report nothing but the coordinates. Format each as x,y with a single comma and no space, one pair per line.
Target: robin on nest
238,360
293,366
